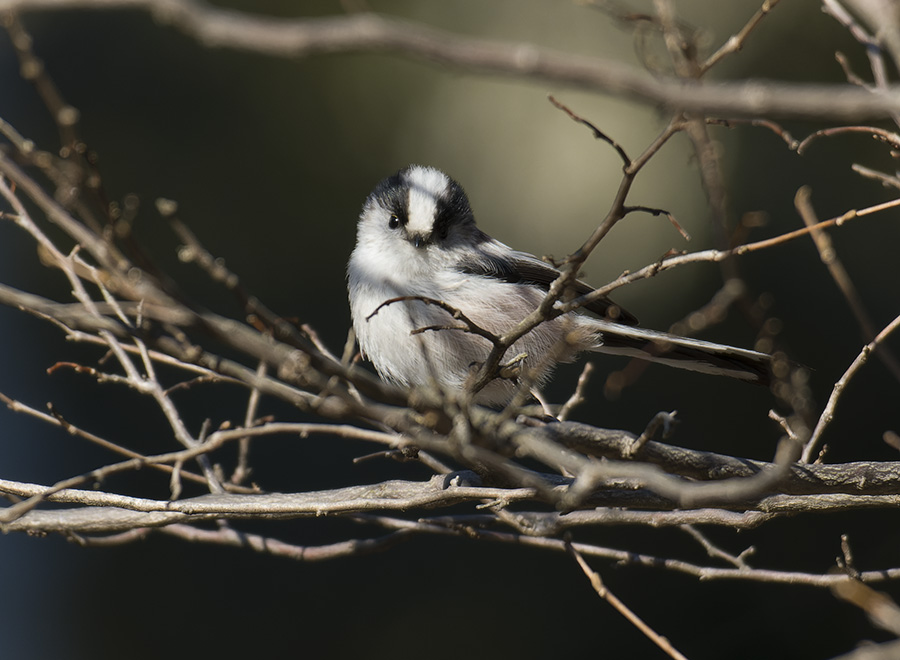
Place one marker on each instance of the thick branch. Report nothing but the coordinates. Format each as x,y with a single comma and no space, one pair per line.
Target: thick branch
862,477
109,512
294,38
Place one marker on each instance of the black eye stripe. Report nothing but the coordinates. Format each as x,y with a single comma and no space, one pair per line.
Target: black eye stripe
452,207
392,195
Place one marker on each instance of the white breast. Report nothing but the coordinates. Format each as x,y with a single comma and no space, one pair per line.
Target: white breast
445,356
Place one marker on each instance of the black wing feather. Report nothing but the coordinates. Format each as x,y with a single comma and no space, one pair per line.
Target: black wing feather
523,268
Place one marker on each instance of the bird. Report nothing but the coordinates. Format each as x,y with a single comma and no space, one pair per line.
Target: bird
417,241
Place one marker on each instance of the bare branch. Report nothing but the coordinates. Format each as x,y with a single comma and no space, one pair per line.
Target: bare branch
841,277
222,28
715,256
498,476
269,546
577,397
625,558
621,608
881,609
107,512
736,41
598,134
855,366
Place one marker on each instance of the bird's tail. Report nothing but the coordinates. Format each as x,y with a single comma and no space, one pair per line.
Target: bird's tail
683,352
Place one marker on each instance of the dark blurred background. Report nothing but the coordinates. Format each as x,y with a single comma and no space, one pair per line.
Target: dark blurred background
270,161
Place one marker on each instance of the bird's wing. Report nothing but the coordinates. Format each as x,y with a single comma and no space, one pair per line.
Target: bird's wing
496,260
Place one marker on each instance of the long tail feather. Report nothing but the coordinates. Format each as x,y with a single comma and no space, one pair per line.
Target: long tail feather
683,352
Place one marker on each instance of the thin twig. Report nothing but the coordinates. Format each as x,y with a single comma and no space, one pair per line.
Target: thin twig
470,325
598,134
888,137
776,128
714,256
622,608
577,397
887,180
716,552
242,470
626,558
661,420
736,41
828,412
841,277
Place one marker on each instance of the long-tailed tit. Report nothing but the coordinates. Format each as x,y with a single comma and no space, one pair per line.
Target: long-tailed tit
417,237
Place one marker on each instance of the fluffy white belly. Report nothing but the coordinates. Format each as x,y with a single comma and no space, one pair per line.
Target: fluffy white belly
449,356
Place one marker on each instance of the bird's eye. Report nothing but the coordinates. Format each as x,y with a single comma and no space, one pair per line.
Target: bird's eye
394,222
